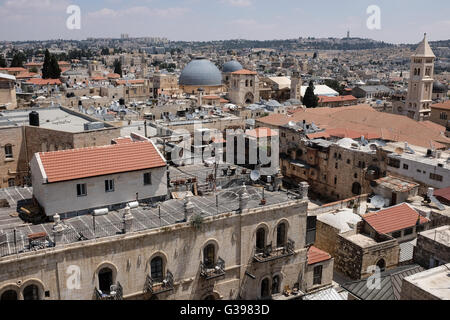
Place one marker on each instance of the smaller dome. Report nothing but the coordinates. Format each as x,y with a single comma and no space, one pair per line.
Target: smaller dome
232,66
439,87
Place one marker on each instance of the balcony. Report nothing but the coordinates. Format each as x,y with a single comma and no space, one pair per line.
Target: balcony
156,287
269,254
116,293
218,270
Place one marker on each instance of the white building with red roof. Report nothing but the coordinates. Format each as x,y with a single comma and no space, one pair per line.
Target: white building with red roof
80,180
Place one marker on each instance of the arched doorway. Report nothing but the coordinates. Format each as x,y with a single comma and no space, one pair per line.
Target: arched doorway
209,255
265,288
105,280
31,292
260,239
9,295
356,188
276,285
281,235
382,265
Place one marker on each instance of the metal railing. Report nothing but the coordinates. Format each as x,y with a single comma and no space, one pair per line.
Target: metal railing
116,293
156,287
215,271
269,254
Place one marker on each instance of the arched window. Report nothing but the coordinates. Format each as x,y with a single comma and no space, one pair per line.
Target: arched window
31,292
265,289
382,265
260,239
8,151
246,83
105,280
276,285
209,256
281,235
157,270
11,182
9,295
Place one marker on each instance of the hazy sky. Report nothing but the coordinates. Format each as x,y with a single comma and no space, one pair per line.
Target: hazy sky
402,21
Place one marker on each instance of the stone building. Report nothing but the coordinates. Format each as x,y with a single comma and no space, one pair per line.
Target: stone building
59,129
427,285
7,92
201,248
244,87
296,86
201,74
227,69
420,89
440,113
433,247
335,170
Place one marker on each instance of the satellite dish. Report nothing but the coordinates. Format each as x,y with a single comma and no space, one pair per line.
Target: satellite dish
255,175
373,147
292,123
378,202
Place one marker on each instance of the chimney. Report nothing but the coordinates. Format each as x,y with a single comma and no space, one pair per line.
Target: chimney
243,198
188,209
303,190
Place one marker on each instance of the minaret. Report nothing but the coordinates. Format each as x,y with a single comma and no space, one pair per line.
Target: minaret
420,87
296,85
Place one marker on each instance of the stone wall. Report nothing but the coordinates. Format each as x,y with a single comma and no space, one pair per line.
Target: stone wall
16,167
181,248
426,249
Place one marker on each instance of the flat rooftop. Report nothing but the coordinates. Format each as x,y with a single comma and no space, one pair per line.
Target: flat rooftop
396,184
54,118
362,240
146,216
419,155
440,235
435,281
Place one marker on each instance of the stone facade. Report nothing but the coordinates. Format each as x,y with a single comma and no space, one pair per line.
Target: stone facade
433,247
244,88
7,93
357,254
180,246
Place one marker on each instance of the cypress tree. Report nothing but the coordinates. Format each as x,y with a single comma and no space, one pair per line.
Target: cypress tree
310,100
50,69
118,67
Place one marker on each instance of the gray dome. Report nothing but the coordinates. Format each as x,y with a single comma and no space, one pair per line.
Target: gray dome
232,66
439,87
200,72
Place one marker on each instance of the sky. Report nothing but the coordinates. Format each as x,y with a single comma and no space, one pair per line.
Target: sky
402,21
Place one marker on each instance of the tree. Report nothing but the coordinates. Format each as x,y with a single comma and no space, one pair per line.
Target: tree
18,60
310,100
2,62
335,85
50,69
105,52
34,70
315,55
118,67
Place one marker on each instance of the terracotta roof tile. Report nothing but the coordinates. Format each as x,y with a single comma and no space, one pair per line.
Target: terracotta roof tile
363,118
44,82
97,161
443,106
336,99
245,72
394,218
315,255
261,133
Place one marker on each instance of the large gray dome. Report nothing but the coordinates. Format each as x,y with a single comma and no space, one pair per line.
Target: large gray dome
232,66
200,72
439,87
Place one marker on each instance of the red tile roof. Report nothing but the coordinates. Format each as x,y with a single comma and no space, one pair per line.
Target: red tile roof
441,106
443,195
315,255
363,118
124,82
14,69
122,140
245,72
44,82
210,97
261,133
97,161
394,218
326,99
113,76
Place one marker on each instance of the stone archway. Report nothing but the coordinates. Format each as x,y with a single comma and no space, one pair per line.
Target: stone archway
249,98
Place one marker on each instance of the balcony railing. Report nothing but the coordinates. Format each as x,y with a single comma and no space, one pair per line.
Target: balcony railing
116,293
269,254
155,287
218,270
